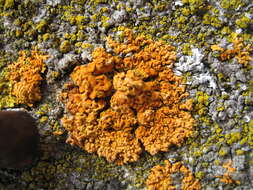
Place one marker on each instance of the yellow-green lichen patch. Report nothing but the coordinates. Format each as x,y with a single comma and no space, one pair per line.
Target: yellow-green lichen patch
233,137
41,26
65,46
212,18
223,152
9,4
246,137
243,22
7,100
43,175
201,103
232,4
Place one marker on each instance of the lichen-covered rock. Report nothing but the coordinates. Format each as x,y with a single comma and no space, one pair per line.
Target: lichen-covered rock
67,62
226,178
222,90
114,102
240,51
160,177
25,77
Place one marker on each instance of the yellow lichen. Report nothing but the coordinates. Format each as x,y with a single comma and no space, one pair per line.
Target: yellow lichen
239,51
160,177
25,77
115,103
216,48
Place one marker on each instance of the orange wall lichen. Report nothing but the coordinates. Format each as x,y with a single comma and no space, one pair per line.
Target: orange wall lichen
25,77
160,177
239,51
119,101
226,178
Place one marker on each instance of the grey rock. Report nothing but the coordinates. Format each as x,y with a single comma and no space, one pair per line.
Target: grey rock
100,185
239,176
239,162
222,116
190,63
67,62
209,157
246,187
216,170
230,68
53,59
251,73
210,188
240,76
118,16
86,56
230,103
89,186
53,2
230,112
113,185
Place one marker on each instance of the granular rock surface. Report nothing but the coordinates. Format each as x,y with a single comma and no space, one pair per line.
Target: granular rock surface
131,94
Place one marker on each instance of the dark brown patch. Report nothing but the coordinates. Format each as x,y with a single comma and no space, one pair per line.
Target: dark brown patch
18,139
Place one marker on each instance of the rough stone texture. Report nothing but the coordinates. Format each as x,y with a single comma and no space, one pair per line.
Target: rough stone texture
222,90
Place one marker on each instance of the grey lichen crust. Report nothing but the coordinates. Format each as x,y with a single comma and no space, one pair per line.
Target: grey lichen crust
69,30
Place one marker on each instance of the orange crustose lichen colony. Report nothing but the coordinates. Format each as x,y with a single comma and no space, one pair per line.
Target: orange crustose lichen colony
226,178
25,77
240,51
126,98
160,177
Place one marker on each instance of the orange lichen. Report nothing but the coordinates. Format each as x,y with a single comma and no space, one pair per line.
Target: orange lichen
115,103
226,178
239,51
216,48
160,177
25,77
